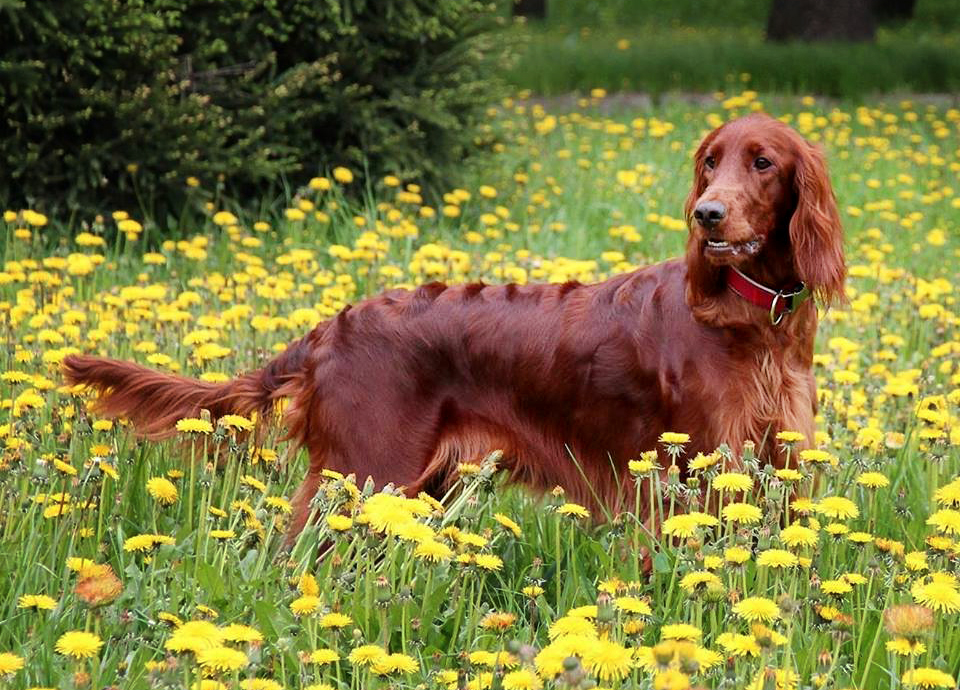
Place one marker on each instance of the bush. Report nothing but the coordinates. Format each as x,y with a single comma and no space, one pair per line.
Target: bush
114,104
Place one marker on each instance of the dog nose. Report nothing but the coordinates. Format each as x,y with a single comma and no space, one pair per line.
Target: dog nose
709,213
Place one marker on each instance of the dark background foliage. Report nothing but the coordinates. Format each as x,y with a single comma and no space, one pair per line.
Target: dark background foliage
109,104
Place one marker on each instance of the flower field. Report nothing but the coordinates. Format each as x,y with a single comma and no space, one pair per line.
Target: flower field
162,565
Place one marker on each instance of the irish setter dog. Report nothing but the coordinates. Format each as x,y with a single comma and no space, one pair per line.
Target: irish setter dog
569,380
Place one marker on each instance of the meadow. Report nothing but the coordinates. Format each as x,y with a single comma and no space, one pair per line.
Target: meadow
141,565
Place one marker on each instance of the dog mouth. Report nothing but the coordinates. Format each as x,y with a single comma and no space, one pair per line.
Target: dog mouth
724,249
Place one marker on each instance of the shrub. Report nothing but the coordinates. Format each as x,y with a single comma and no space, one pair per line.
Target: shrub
114,104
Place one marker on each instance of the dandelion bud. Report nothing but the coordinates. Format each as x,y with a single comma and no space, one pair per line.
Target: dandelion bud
81,679
749,451
788,606
824,660
763,637
687,655
663,654
673,476
693,482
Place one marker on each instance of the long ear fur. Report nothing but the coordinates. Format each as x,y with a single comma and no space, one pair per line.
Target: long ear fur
702,279
816,234
699,182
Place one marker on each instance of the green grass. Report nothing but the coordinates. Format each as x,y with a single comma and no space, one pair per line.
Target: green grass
703,47
581,195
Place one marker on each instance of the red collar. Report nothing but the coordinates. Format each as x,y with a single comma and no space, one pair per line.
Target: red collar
778,302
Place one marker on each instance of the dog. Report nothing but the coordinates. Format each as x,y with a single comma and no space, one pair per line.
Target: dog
569,380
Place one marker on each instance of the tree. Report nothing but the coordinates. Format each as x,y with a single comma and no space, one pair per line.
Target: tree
821,20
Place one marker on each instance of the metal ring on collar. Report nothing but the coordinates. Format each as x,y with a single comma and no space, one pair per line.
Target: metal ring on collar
776,318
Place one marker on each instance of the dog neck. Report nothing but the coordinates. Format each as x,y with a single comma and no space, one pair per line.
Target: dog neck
721,296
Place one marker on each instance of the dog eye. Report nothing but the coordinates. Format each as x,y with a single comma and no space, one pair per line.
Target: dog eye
710,162
762,163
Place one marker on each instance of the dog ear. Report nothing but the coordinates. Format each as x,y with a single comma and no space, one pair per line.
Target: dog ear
699,181
816,233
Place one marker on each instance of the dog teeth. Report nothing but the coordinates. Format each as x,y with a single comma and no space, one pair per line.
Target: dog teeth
718,243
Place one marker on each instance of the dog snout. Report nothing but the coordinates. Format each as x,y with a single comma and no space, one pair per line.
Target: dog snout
710,213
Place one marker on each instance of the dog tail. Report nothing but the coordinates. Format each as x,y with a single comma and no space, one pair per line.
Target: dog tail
154,401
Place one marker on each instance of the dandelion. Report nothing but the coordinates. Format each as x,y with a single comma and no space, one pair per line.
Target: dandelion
574,510
680,631
757,609
742,512
838,507
797,535
818,456
197,426
486,561
672,438
305,605
836,587
496,620
633,606
776,558
219,659
339,523
394,663
937,595
10,663
608,660
699,579
37,602
908,620
873,480
321,657
260,684
904,647
433,550
78,644
342,175
945,520
790,436
509,524
732,481
524,679
927,678
235,422
162,490
572,625
737,555
366,655
236,632
335,620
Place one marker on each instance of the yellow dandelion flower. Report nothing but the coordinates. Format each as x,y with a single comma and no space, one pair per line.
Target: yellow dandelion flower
191,425
573,509
744,513
219,659
321,657
78,644
776,558
10,663
162,490
732,481
757,609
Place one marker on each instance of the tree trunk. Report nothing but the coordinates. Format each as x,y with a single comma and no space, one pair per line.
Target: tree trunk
533,9
894,10
821,20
